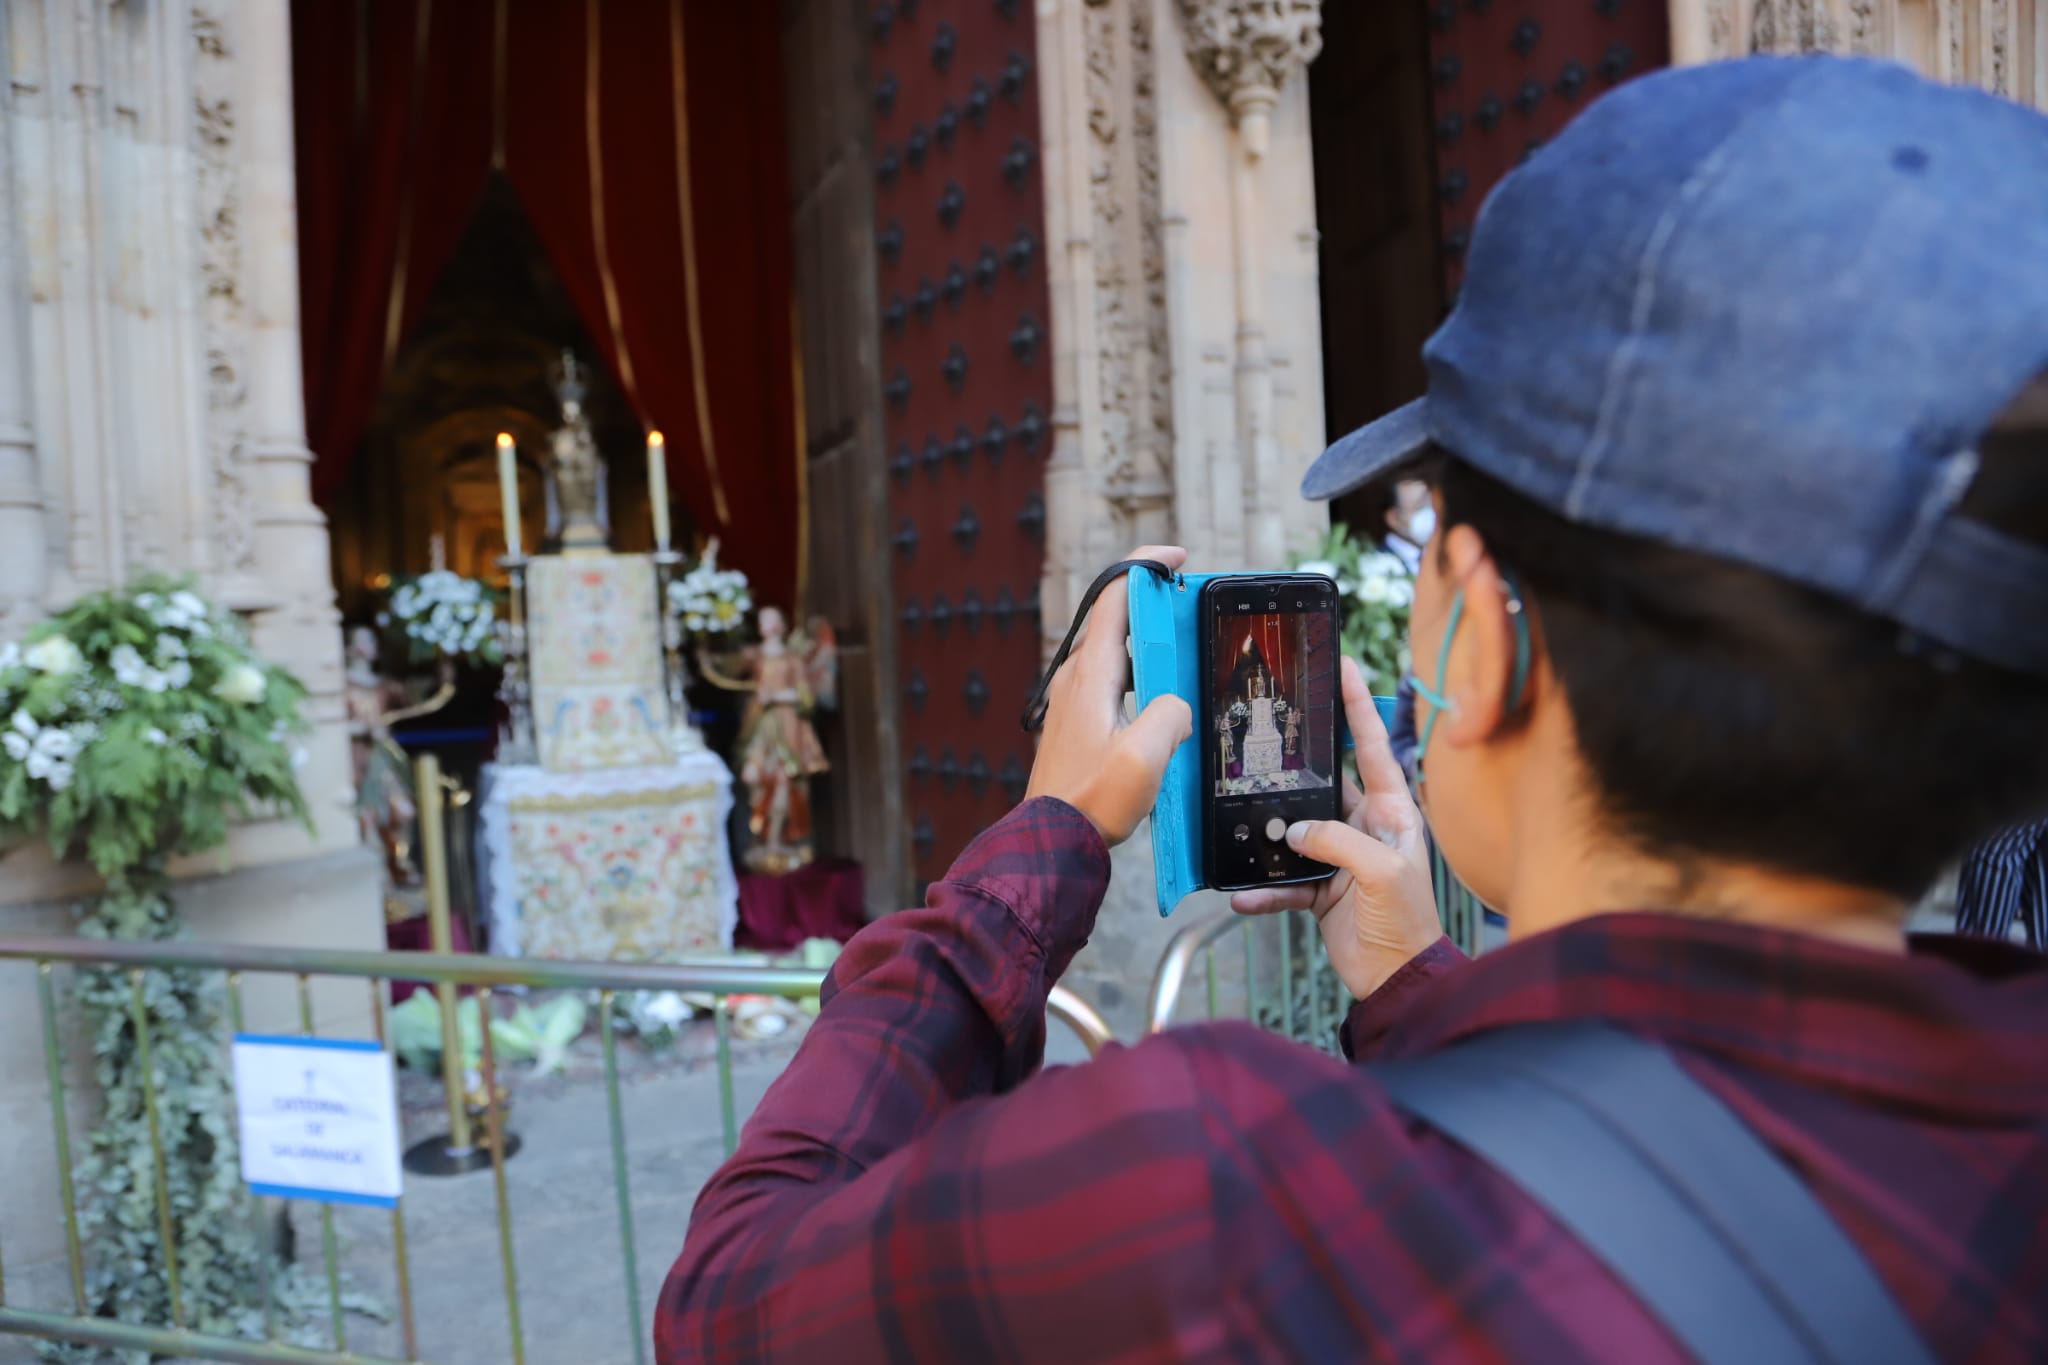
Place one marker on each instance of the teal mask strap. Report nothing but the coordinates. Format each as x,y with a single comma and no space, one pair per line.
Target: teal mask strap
1438,702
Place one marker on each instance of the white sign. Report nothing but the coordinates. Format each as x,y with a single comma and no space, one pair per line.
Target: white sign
319,1119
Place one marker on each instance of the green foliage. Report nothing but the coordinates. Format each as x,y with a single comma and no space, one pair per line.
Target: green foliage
535,1033
134,727
1376,593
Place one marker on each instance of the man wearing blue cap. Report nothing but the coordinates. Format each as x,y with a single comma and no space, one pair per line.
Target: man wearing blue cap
1733,633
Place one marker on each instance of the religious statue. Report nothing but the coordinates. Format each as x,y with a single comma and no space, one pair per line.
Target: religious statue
1262,741
384,805
779,752
578,506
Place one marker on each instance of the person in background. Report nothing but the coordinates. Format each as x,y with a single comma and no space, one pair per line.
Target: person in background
2002,877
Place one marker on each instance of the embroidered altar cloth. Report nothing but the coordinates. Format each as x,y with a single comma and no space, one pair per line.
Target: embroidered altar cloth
595,633
626,863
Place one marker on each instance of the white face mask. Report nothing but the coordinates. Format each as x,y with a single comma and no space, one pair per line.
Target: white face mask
1422,525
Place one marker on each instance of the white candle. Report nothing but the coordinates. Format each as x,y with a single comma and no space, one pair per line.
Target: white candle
508,492
657,488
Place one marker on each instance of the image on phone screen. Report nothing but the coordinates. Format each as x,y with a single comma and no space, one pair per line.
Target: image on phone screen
1270,716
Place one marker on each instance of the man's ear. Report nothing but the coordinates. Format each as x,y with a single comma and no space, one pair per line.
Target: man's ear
1482,665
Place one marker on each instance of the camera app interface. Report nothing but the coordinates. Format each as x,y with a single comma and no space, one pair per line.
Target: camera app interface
1271,728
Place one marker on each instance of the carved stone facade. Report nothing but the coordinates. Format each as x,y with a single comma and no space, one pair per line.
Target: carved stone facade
2001,45
1251,49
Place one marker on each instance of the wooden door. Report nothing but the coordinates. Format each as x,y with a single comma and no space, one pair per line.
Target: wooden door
967,387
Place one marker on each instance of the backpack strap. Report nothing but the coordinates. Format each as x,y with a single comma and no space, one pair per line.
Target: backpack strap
1688,1208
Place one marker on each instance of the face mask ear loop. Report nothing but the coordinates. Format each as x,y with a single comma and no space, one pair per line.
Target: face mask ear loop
1438,702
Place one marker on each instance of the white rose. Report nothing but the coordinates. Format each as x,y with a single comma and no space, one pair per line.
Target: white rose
53,654
16,746
147,600
153,681
179,674
1373,591
10,655
127,664
156,737
666,1009
39,764
243,684
188,602
58,744
169,647
25,724
60,776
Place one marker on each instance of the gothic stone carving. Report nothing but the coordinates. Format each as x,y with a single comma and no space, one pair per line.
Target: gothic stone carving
1793,26
1251,47
1134,380
218,201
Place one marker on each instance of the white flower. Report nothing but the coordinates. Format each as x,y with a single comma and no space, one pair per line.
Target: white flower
54,654
148,601
39,764
189,603
243,684
299,757
127,665
1373,591
666,1009
1317,566
169,647
24,724
58,744
60,776
179,674
10,655
156,737
85,732
16,746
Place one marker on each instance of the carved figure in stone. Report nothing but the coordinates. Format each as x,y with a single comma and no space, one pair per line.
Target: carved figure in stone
578,515
779,751
1249,48
1792,26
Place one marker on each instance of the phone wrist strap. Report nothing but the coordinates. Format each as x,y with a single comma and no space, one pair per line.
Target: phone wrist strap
1034,710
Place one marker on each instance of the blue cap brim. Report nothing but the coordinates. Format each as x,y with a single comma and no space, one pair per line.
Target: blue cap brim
1374,449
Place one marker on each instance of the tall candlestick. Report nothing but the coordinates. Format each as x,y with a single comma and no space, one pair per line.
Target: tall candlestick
657,487
508,492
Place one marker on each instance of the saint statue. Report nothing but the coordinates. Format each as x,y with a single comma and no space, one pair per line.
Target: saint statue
579,519
384,800
1262,741
779,752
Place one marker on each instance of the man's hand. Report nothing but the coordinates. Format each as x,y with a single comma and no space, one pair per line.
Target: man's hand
1380,909
1087,756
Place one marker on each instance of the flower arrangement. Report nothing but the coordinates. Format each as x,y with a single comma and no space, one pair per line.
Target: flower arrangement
133,727
442,614
711,601
1375,591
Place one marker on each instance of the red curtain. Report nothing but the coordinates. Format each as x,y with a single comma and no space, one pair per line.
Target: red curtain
403,108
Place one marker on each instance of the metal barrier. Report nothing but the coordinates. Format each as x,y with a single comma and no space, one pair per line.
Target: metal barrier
720,980
1309,1002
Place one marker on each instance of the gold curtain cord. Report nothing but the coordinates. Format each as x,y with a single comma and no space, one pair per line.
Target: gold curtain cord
394,303
594,140
693,320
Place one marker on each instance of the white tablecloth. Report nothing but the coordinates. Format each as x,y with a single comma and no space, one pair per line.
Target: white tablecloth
618,863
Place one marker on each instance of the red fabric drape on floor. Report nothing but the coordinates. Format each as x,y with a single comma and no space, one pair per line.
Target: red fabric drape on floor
398,123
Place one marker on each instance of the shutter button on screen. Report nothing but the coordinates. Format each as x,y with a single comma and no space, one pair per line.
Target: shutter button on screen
1243,833
1276,829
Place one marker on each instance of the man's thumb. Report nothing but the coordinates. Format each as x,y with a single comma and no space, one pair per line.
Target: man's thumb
1341,846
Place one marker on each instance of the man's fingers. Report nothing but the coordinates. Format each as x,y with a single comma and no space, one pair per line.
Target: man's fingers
1274,900
1159,729
1378,773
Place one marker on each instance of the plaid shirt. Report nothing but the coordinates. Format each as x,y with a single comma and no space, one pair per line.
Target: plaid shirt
910,1189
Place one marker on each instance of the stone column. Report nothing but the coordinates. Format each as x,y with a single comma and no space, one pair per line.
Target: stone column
1247,50
24,569
291,590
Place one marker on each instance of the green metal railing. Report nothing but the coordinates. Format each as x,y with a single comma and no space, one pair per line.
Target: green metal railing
1299,994
486,976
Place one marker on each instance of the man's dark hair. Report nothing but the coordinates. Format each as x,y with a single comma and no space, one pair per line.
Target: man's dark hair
1724,713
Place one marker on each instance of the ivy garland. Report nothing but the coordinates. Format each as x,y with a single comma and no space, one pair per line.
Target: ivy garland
135,727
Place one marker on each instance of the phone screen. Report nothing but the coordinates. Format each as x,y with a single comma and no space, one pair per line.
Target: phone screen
1269,680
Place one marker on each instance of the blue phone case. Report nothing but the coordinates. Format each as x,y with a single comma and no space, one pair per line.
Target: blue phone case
1166,659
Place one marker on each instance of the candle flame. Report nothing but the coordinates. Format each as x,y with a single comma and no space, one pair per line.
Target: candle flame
654,438
504,440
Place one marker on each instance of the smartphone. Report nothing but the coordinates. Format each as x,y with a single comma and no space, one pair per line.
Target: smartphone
1268,722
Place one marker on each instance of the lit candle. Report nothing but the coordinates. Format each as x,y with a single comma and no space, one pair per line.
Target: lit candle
508,492
657,488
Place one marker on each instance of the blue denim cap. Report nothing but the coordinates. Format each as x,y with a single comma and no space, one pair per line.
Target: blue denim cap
1762,310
